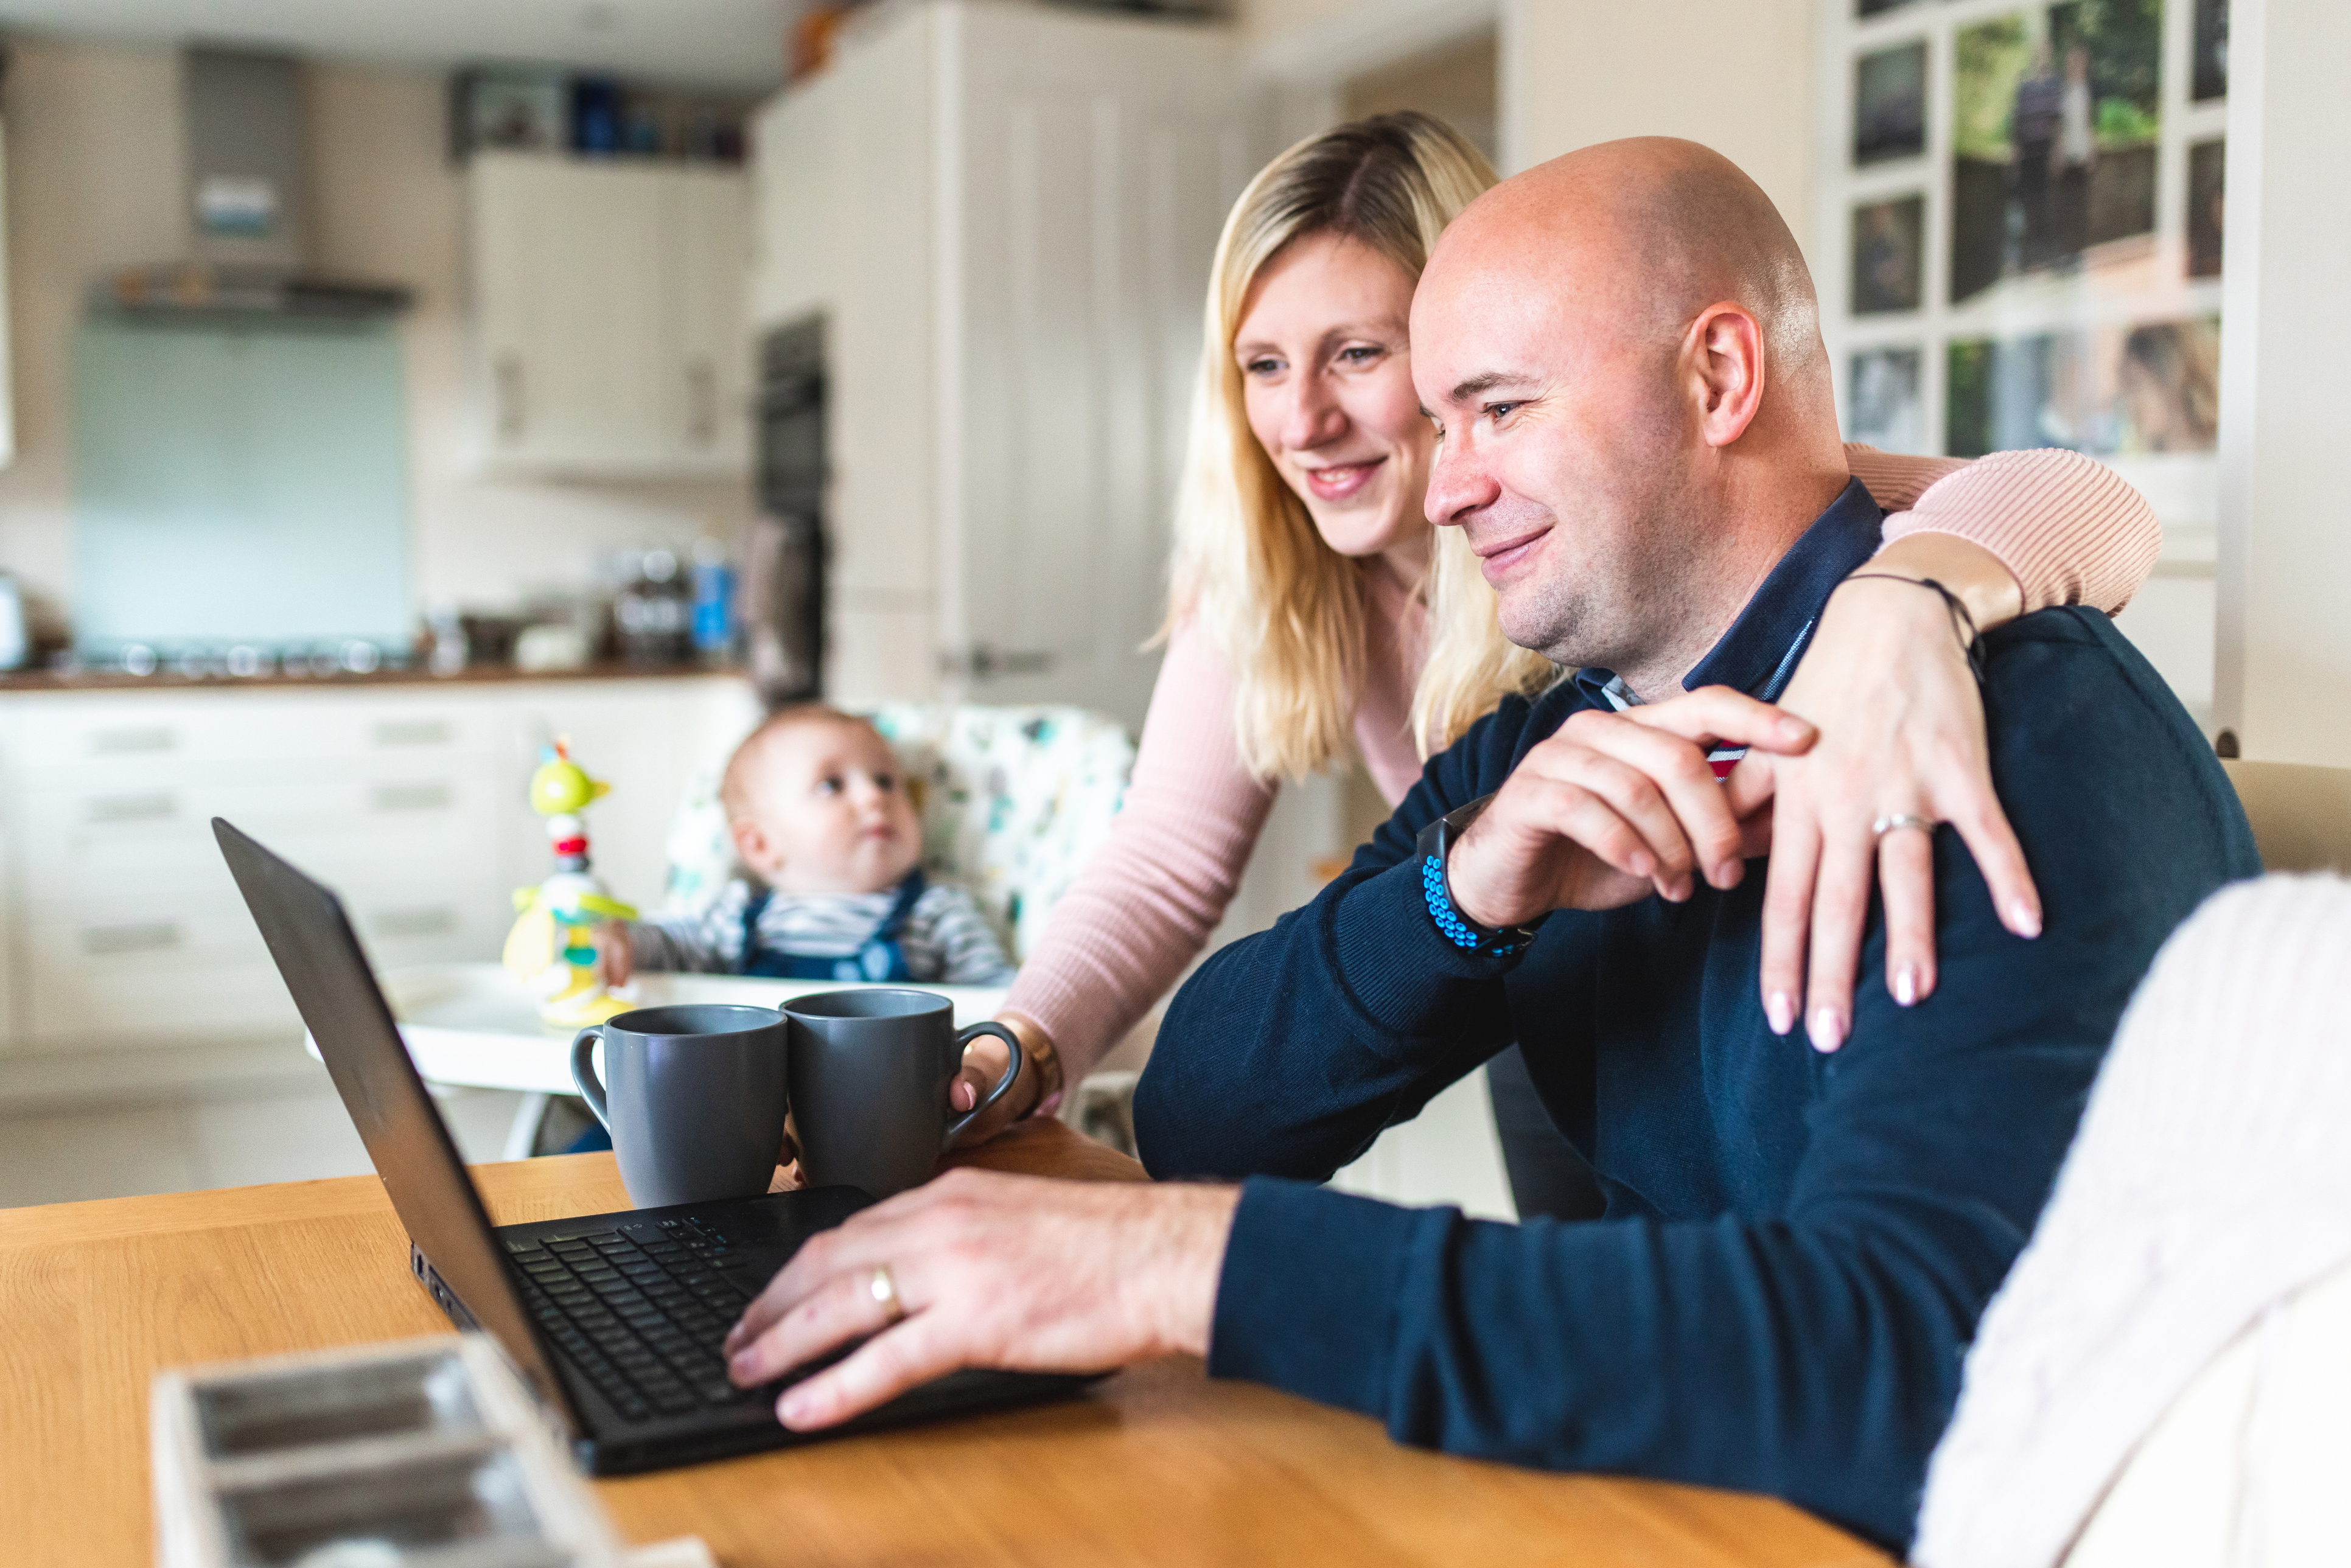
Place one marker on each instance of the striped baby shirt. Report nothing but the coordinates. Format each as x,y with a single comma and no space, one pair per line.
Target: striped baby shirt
946,939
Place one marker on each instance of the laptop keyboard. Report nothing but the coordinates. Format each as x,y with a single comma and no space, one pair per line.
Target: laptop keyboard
642,1314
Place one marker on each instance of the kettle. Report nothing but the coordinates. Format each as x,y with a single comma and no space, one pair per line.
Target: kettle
14,645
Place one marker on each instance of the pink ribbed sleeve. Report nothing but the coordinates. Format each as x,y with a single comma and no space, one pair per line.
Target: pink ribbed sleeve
2070,528
1896,480
1145,902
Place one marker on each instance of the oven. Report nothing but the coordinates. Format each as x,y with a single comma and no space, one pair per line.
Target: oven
783,593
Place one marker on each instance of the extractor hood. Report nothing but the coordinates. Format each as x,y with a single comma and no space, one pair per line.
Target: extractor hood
247,205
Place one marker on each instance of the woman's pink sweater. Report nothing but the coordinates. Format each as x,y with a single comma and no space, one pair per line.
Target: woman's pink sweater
2071,530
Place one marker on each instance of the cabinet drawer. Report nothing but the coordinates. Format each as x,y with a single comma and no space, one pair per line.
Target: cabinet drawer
409,922
151,1008
123,735
160,832
156,972
149,974
11,996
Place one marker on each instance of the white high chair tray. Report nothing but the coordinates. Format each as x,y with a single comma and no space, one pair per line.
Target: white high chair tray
471,1024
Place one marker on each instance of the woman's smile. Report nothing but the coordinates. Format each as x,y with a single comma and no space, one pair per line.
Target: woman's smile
1341,481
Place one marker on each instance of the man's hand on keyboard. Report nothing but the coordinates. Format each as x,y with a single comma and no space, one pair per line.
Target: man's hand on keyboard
1015,1272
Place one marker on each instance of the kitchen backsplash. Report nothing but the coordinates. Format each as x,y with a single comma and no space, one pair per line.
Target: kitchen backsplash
239,483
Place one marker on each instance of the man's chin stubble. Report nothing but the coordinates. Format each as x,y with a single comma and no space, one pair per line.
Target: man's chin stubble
1559,626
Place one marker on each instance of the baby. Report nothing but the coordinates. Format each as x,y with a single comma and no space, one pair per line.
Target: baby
820,818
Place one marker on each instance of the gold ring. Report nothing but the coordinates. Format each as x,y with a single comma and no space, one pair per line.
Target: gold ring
884,1291
1893,820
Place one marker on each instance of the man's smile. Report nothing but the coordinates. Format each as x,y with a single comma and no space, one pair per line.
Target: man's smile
1499,557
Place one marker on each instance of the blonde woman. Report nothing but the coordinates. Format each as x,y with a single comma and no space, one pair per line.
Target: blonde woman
1315,616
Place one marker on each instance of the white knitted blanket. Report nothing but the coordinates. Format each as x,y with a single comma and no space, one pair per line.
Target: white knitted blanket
2211,1176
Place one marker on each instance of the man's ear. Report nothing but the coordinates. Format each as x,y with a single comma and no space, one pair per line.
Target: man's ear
1726,366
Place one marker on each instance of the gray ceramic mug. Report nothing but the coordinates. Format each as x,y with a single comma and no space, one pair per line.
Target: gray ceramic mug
869,1071
696,1103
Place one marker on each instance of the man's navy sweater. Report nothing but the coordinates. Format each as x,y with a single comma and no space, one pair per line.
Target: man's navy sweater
1796,1247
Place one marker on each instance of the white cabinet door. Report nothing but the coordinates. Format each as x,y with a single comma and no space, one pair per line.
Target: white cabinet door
708,288
888,351
7,380
795,160
11,994
608,315
1005,216
1095,159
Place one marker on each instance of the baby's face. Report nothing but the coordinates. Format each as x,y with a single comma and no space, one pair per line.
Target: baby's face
829,812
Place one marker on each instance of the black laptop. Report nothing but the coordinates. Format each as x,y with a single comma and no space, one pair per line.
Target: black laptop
615,1318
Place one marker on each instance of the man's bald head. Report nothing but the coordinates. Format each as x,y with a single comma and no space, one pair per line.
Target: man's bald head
1622,350
1646,232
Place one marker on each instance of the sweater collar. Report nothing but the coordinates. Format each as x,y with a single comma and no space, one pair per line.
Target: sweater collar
1759,650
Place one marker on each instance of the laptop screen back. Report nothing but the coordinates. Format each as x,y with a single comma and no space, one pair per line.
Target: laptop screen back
319,955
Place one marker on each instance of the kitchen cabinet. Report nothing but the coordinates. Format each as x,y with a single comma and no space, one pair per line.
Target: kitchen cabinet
10,994
121,928
1005,216
8,375
708,211
608,315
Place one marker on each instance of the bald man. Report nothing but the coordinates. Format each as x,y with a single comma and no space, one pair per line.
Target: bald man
1622,354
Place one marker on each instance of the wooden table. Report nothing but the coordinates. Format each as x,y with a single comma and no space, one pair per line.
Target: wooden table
1155,1465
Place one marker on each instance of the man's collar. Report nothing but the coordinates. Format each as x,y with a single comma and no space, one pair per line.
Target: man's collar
1760,651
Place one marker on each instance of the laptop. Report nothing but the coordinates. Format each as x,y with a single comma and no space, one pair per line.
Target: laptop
615,1320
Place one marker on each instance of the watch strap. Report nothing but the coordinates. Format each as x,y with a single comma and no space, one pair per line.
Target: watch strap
1433,846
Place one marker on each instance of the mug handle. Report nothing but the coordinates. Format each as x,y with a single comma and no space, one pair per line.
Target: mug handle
955,1127
583,1071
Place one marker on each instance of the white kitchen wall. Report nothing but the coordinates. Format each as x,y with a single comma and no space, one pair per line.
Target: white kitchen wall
2283,672
93,150
1734,74
1260,20
94,156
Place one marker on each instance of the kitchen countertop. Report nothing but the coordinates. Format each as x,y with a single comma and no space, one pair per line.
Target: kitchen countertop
16,681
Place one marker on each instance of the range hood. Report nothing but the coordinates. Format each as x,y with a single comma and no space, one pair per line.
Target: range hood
247,206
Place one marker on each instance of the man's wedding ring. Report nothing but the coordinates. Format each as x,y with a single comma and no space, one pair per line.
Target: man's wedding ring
884,1289
1887,823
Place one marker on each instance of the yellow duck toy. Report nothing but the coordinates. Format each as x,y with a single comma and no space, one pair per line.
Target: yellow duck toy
549,948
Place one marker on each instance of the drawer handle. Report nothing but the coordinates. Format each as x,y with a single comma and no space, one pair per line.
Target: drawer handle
506,390
701,402
438,922
413,732
133,808
412,797
154,936
116,742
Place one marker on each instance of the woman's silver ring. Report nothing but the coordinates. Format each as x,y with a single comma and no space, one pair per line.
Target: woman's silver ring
884,1291
1893,820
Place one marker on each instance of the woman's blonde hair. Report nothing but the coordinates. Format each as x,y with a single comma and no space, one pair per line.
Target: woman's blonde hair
1285,608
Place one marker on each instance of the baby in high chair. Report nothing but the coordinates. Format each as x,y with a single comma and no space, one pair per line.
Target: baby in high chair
822,821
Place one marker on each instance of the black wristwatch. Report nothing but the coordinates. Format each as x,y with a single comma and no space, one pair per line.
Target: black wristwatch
1432,846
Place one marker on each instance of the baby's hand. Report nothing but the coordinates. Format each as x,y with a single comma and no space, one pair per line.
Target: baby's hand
616,953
